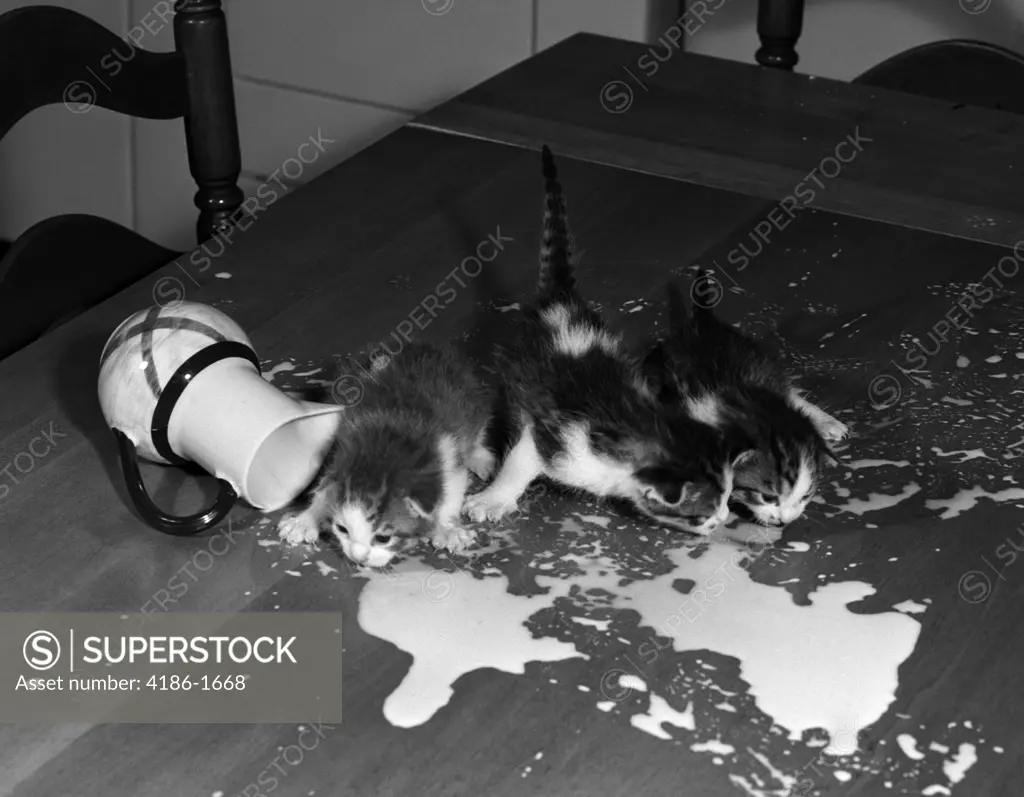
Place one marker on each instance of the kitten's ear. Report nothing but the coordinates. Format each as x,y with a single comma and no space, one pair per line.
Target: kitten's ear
423,495
748,457
416,508
665,492
665,485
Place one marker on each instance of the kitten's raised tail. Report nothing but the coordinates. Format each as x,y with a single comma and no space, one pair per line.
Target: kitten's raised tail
703,285
556,279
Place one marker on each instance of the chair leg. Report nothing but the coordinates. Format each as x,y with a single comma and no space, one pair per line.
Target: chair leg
779,23
211,127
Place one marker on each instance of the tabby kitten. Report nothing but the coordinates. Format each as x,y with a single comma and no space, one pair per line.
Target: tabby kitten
582,414
402,456
727,381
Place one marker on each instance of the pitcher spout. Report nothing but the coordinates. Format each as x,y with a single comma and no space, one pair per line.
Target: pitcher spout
288,460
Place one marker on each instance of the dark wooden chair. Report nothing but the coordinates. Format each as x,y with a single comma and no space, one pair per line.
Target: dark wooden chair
66,264
961,71
779,23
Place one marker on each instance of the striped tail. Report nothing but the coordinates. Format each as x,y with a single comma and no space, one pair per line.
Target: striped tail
556,277
701,310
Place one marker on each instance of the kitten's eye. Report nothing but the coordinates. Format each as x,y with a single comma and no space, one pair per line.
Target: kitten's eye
340,529
382,539
768,498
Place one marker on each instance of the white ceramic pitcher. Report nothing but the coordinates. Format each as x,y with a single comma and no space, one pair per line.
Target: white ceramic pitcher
182,384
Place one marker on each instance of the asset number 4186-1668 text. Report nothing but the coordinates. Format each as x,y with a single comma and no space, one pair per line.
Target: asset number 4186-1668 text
203,683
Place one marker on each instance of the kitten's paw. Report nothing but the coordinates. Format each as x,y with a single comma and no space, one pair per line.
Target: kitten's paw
453,539
298,529
482,463
833,430
488,506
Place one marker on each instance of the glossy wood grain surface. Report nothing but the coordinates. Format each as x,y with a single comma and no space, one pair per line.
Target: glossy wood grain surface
333,269
767,132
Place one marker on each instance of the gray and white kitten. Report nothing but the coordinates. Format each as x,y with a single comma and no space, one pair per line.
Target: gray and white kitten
582,414
402,459
725,380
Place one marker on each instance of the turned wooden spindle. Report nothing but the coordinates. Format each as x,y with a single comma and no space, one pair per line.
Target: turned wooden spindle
779,23
211,130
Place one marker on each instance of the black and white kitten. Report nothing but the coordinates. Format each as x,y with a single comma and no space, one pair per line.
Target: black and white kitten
582,414
726,380
402,456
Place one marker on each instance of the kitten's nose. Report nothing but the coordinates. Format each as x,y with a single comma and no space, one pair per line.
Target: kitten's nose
359,552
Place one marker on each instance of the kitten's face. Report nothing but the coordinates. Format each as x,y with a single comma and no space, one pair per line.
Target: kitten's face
371,534
684,499
777,485
380,486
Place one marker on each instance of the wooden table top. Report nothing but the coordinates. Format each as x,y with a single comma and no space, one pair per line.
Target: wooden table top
764,132
908,563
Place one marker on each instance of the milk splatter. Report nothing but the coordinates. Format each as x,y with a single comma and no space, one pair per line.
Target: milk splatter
968,498
877,463
965,758
908,744
601,625
277,369
910,607
968,454
632,682
660,713
597,520
876,501
713,746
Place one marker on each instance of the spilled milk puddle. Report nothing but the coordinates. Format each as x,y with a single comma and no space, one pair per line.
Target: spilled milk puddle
683,644
687,641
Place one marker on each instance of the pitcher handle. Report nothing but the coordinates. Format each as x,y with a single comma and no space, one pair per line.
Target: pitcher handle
156,517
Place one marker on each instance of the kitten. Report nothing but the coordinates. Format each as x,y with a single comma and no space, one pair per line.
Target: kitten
726,380
403,455
582,414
